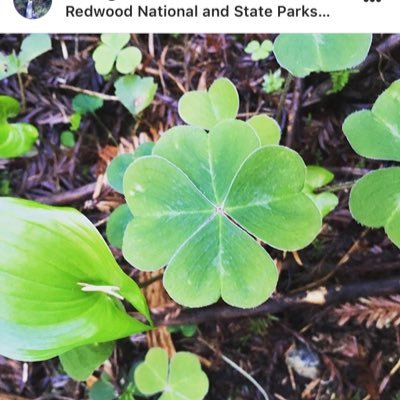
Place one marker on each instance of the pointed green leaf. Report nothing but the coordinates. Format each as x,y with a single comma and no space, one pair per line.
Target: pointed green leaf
116,225
267,129
59,283
198,195
128,60
302,54
375,201
376,134
182,379
79,363
135,93
206,109
33,46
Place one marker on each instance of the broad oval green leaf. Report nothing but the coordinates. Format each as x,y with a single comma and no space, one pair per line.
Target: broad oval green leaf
79,363
84,104
15,139
199,195
116,225
376,134
302,54
128,60
59,282
135,93
183,378
206,109
375,201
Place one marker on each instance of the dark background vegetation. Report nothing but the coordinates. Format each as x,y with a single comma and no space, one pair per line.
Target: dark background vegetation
40,7
354,341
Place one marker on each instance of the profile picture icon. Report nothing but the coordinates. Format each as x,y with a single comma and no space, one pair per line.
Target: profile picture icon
32,9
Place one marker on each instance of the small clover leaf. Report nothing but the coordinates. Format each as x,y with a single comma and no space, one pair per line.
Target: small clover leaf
199,196
267,129
302,54
259,51
206,109
316,178
273,82
376,134
375,198
182,378
32,47
79,363
15,139
116,225
61,287
85,104
135,93
111,51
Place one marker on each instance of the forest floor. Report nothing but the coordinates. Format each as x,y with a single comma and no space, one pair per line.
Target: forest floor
344,348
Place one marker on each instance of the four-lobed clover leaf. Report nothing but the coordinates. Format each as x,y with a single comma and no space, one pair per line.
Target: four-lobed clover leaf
375,198
15,139
259,51
302,54
111,51
60,285
181,378
201,197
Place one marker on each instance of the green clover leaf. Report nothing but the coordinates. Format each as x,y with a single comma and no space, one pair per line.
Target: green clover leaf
375,198
60,285
182,378
375,201
259,51
117,224
85,104
135,93
206,109
376,134
316,178
15,139
111,51
302,54
200,196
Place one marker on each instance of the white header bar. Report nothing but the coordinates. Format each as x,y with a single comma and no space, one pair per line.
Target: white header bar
203,16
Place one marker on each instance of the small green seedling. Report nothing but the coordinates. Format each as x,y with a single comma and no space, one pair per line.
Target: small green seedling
273,81
339,79
15,139
201,196
32,47
63,288
82,104
302,54
121,216
375,198
135,93
318,177
112,51
181,378
259,51
103,389
184,330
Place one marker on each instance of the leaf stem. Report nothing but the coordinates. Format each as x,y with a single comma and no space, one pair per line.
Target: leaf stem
22,92
337,187
282,99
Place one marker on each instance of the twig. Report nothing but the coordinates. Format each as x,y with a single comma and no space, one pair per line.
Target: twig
70,196
102,96
282,99
294,112
322,296
336,187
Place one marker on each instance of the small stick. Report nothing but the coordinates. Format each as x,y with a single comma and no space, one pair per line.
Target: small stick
282,99
102,96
